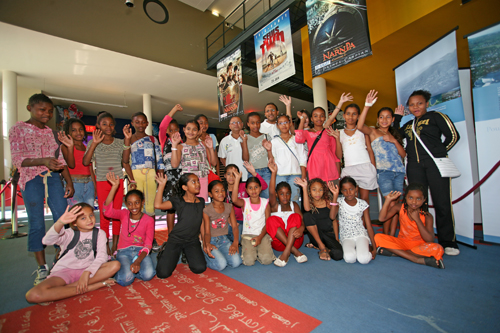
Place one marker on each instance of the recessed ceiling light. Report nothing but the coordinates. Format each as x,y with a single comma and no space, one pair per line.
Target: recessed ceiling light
215,13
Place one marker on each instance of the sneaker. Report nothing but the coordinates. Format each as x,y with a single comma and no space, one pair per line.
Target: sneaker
41,274
155,247
451,251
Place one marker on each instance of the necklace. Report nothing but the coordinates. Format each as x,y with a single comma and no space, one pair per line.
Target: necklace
137,225
382,131
350,129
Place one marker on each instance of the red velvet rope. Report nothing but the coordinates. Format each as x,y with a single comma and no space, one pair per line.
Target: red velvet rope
475,187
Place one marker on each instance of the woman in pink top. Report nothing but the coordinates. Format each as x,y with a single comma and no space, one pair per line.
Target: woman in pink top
136,235
323,162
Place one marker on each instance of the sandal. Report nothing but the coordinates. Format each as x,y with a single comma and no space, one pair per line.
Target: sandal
280,263
311,246
431,261
384,252
301,259
324,251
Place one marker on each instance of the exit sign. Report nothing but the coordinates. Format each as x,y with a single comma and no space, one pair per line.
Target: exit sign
89,128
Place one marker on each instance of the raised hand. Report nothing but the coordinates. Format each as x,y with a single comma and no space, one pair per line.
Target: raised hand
333,188
243,136
267,144
400,110
209,143
272,166
70,215
65,139
301,182
345,97
371,98
287,100
177,107
249,167
97,136
161,179
127,131
331,132
176,138
113,179
393,195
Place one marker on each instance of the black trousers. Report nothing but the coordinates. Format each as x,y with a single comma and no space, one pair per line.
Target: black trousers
325,232
426,173
170,257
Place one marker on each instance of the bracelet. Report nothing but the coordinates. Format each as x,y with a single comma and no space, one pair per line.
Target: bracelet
132,182
172,148
371,104
334,203
126,147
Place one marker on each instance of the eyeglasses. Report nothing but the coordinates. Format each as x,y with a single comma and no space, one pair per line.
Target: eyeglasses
284,123
236,123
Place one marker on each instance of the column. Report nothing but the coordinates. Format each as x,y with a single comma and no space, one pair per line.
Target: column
319,94
9,116
146,108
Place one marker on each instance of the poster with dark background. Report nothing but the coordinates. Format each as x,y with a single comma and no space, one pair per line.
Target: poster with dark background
230,86
338,33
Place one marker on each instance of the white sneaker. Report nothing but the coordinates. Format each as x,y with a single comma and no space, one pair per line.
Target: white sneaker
41,274
451,251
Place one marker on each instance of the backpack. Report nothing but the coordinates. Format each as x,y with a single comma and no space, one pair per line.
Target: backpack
76,238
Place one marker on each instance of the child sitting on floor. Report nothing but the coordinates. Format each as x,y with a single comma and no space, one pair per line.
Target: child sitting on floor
415,240
82,265
284,221
318,218
217,216
136,235
255,242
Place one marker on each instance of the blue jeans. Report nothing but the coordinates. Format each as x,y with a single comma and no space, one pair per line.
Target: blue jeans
230,235
33,196
265,173
84,192
125,256
390,181
295,189
222,256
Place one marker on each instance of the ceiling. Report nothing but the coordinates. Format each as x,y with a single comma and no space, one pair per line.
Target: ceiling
73,70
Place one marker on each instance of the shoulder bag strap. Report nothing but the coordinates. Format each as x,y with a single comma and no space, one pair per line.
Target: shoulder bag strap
314,143
420,140
289,149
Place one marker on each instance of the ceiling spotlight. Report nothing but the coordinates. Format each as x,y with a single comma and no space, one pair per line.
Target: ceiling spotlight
215,13
129,3
156,11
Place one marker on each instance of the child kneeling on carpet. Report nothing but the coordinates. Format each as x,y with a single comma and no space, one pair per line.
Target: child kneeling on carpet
415,240
184,235
284,221
136,235
217,216
255,242
82,265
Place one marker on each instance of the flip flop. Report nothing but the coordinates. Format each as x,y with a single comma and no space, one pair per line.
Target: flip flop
431,261
301,259
384,252
310,246
325,250
280,263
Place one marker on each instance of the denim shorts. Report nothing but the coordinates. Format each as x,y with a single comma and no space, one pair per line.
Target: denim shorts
390,181
84,192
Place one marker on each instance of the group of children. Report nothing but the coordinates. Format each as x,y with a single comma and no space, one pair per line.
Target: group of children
267,171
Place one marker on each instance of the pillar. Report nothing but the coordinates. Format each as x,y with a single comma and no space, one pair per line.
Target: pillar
146,108
319,94
9,116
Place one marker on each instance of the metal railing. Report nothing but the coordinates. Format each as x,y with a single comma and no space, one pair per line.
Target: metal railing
13,205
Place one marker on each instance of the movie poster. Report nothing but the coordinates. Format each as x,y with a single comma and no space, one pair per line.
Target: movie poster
230,86
274,52
484,50
435,69
338,33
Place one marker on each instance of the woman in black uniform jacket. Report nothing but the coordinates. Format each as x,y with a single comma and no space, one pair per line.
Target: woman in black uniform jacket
431,126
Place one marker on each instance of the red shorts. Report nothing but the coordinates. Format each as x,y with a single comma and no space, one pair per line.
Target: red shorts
275,222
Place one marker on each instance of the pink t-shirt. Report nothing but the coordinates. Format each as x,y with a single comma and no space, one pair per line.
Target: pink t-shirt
141,233
29,141
82,255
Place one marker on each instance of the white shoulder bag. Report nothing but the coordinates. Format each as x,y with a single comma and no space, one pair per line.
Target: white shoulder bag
446,166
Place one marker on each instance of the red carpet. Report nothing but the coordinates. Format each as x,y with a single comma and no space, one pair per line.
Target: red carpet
185,302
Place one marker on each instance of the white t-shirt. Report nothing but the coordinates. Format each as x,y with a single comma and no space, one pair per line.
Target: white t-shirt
269,129
254,220
230,149
354,148
288,160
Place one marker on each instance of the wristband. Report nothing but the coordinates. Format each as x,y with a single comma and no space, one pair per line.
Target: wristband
173,148
334,203
132,182
371,104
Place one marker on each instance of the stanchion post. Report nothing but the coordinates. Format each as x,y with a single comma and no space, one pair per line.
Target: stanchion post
13,205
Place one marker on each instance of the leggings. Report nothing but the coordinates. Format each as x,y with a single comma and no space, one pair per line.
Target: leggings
169,258
357,248
103,189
